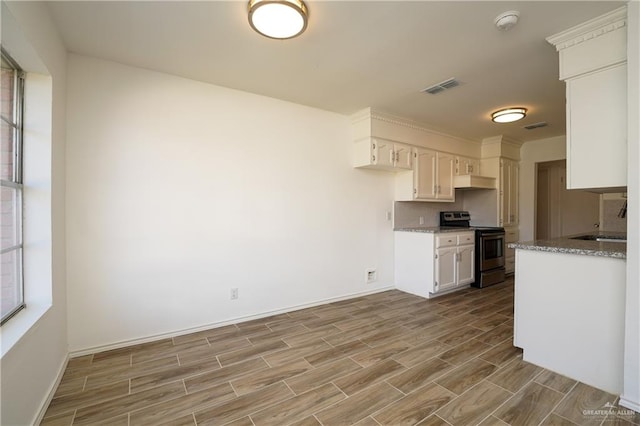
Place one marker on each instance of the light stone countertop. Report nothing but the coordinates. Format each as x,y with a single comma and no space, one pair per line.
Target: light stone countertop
432,229
571,246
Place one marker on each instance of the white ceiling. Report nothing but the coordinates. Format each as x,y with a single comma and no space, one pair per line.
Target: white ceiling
354,54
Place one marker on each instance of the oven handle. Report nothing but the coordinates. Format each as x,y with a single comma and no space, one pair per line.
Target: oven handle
492,237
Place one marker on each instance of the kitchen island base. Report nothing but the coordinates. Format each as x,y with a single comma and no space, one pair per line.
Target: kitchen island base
569,315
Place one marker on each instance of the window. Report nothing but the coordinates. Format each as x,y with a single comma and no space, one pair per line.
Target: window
11,273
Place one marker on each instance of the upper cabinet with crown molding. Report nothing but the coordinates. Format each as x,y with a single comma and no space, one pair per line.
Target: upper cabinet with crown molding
382,154
594,66
430,180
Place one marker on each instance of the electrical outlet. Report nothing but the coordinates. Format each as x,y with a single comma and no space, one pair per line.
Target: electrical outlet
234,293
388,215
371,276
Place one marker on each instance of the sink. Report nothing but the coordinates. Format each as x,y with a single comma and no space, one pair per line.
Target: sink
601,238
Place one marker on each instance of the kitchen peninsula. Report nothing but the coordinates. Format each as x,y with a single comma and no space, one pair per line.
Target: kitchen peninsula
570,307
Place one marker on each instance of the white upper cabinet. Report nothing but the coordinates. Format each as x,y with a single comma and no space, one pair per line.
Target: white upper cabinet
424,174
597,129
382,154
593,65
430,180
444,181
467,166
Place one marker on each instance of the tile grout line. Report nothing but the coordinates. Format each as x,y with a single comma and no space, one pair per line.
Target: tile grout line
513,394
558,404
436,415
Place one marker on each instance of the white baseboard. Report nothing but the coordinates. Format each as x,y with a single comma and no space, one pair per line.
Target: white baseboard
51,392
633,405
236,320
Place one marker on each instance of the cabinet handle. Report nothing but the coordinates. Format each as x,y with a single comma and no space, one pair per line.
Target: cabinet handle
374,146
374,158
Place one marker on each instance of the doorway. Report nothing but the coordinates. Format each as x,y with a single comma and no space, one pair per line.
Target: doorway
559,211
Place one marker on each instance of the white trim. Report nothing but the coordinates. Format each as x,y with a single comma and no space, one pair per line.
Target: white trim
123,344
629,404
370,113
411,124
591,29
52,391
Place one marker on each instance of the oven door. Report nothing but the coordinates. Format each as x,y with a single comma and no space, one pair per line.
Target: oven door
491,251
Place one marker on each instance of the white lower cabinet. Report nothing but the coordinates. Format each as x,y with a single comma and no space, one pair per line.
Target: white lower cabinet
446,265
428,264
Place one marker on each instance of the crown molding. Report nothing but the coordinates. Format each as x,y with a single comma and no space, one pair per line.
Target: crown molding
501,139
591,29
403,122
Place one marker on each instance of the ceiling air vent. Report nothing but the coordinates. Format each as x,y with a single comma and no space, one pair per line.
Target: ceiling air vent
440,87
535,125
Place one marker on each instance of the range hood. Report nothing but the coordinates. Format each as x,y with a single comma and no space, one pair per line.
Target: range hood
474,182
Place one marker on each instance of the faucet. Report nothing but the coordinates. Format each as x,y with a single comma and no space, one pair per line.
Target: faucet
623,211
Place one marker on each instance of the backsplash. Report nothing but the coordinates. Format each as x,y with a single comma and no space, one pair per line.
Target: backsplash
610,220
406,214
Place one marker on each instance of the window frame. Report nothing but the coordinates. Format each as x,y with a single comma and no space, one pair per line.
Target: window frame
16,181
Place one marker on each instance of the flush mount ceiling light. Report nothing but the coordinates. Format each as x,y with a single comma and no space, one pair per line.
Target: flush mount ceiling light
509,115
507,20
280,19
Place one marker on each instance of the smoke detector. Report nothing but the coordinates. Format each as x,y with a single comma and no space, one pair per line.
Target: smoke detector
507,20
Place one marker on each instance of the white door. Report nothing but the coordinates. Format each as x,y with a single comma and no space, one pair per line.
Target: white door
445,268
466,259
445,169
561,211
425,174
580,209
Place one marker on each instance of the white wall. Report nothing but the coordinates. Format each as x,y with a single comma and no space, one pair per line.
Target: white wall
631,393
533,152
34,342
178,191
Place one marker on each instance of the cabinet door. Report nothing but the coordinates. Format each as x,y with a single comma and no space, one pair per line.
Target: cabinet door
466,259
382,152
467,166
513,193
503,212
597,129
445,169
403,156
474,167
424,174
445,273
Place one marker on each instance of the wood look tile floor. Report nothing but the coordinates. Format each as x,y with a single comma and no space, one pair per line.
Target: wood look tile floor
385,359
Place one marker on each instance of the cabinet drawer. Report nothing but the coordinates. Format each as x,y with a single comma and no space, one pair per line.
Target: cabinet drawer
466,239
446,240
511,235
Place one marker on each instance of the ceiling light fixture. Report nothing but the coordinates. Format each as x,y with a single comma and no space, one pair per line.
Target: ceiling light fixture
509,115
279,19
